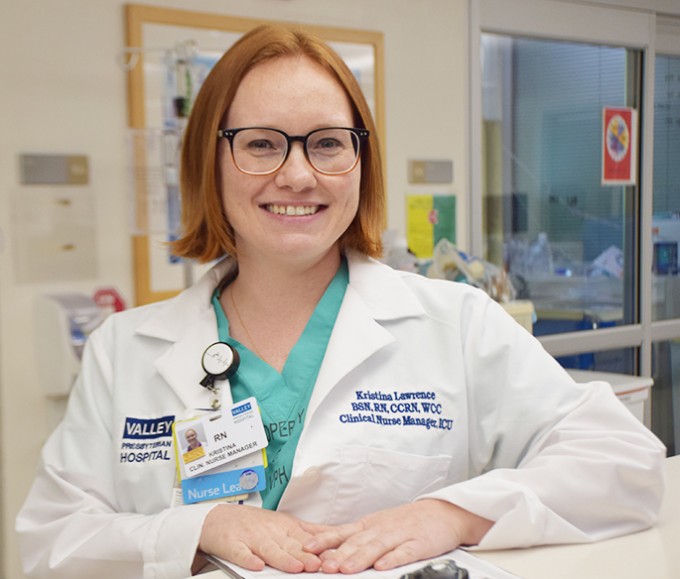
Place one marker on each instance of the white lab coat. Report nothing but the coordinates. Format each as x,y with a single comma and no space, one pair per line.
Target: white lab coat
519,442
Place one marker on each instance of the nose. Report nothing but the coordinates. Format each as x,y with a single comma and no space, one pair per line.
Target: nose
296,173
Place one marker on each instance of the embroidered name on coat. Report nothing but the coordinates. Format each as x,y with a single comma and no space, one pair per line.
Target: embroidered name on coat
418,408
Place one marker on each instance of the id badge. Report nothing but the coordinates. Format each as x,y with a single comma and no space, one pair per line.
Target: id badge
221,454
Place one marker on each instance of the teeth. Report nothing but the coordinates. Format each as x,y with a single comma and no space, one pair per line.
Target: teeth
293,209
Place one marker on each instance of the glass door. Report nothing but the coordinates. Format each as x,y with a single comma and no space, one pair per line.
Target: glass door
566,237
545,76
665,268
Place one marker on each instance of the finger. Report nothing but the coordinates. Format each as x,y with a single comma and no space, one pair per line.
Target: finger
276,556
289,556
331,537
326,555
305,534
311,562
293,547
315,528
382,550
353,556
240,554
404,554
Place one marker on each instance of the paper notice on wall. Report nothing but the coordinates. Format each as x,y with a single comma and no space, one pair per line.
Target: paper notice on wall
619,146
430,218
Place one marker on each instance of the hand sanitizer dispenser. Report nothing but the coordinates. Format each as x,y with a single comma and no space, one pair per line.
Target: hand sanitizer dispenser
63,322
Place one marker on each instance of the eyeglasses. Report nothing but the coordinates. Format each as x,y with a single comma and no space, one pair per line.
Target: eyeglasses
261,151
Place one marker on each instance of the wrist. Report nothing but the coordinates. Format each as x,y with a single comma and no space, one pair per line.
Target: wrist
469,527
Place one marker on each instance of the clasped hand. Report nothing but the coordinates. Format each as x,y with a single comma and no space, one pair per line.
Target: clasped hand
252,538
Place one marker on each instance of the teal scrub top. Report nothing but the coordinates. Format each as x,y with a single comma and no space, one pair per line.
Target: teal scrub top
283,397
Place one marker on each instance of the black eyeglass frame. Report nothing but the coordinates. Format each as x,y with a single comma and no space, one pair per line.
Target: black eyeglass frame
229,134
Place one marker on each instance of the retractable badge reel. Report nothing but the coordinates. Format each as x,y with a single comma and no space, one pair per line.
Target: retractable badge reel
220,361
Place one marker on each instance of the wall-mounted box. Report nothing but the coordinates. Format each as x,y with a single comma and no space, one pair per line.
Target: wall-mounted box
54,169
430,171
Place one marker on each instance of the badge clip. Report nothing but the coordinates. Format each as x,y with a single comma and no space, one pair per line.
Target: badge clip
220,361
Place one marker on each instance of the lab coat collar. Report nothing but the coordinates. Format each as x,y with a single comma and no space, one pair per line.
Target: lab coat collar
189,321
376,293
382,289
171,321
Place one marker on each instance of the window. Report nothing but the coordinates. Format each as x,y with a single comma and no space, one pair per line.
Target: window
666,221
541,72
665,408
568,242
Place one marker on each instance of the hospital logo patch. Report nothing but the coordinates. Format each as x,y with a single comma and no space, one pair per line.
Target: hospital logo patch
148,427
146,440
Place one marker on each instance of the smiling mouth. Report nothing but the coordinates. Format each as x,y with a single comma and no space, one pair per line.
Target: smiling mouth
292,209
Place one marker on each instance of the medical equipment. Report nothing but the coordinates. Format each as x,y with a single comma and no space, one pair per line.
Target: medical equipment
444,569
63,322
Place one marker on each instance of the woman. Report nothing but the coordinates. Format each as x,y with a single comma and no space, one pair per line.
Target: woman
405,416
193,442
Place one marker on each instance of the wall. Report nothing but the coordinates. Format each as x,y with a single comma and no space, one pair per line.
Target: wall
63,92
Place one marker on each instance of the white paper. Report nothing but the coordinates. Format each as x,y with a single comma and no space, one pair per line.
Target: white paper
476,567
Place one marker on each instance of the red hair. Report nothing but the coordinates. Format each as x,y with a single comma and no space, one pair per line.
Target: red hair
207,233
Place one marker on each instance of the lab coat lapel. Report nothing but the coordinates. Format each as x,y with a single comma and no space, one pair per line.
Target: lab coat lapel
375,293
180,366
188,322
355,338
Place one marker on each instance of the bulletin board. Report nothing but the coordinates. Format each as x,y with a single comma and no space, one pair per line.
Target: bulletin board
153,35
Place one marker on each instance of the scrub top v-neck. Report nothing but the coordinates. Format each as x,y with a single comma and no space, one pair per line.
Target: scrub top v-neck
283,397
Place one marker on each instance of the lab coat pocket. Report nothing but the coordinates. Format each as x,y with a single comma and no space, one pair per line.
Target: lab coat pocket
388,477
